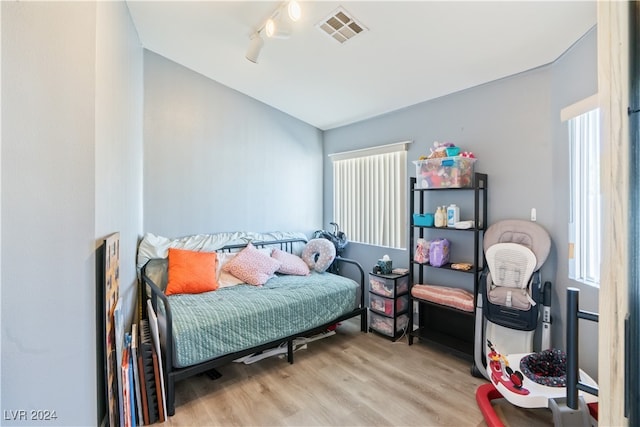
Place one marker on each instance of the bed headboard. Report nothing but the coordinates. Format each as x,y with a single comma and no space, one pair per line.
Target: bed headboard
156,268
153,246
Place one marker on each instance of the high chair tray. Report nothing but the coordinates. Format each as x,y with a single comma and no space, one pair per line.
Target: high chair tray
538,395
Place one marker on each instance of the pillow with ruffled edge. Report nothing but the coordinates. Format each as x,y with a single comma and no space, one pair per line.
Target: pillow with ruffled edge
290,263
318,254
191,272
226,280
252,266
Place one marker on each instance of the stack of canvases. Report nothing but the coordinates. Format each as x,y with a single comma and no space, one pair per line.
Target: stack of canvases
134,381
142,400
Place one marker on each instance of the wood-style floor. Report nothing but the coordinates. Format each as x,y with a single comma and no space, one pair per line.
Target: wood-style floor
347,379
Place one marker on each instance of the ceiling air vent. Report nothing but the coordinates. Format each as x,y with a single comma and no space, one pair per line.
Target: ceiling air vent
340,26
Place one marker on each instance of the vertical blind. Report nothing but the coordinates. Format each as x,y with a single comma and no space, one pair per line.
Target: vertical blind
369,196
585,222
585,211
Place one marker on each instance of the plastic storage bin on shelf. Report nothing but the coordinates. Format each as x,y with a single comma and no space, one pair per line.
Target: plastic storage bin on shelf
423,220
386,306
384,325
383,284
445,172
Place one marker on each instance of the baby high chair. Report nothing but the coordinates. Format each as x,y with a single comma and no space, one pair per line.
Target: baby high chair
510,288
507,316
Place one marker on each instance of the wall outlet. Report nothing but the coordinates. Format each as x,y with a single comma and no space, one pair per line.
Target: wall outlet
533,214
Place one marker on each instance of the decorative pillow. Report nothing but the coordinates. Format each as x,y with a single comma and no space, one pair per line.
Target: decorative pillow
290,263
252,266
318,254
191,272
225,279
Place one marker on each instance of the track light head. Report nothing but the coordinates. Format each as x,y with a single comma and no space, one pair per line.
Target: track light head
255,46
294,10
278,26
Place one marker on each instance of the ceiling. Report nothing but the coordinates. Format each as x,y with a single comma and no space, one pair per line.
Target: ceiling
412,52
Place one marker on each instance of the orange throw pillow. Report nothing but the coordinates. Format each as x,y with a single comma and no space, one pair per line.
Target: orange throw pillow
191,272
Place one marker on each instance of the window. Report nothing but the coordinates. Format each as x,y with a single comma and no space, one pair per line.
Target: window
369,195
585,211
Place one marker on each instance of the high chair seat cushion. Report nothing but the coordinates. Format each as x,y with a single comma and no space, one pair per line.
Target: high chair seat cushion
511,265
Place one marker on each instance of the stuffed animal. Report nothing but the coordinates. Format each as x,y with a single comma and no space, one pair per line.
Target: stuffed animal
439,149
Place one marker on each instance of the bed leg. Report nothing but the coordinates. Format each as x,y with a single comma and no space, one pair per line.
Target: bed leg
363,321
171,397
290,351
214,374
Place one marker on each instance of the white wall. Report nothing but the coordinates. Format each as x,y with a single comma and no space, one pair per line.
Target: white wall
217,160
118,146
119,139
69,139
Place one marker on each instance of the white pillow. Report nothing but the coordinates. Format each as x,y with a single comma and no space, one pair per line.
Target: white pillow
225,279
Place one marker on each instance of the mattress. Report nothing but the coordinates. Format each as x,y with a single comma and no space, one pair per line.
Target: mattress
212,324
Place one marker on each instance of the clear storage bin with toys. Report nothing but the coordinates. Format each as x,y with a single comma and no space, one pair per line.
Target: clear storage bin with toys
387,306
445,167
384,325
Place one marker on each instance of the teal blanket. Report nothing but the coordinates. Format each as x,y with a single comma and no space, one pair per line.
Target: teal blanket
212,324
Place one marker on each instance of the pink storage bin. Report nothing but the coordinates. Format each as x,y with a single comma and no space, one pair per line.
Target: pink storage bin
386,306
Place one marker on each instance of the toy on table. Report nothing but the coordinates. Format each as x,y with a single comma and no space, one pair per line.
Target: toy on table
502,373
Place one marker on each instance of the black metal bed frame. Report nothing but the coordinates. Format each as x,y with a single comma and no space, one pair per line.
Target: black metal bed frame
171,374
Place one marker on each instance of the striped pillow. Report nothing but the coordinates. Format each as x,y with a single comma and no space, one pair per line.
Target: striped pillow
443,295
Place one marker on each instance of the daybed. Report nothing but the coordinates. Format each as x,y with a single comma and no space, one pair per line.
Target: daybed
202,331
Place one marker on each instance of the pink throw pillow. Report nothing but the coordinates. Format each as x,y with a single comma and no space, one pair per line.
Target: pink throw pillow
290,263
252,266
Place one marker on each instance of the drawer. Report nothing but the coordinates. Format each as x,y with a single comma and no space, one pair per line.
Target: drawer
388,285
388,306
385,325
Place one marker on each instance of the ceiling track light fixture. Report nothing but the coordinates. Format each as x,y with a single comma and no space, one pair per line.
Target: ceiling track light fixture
255,46
277,26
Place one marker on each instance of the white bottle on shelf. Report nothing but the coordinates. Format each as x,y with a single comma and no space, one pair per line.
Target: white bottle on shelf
453,215
439,218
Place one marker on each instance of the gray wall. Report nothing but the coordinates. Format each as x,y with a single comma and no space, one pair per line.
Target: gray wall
71,173
217,160
574,78
512,126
